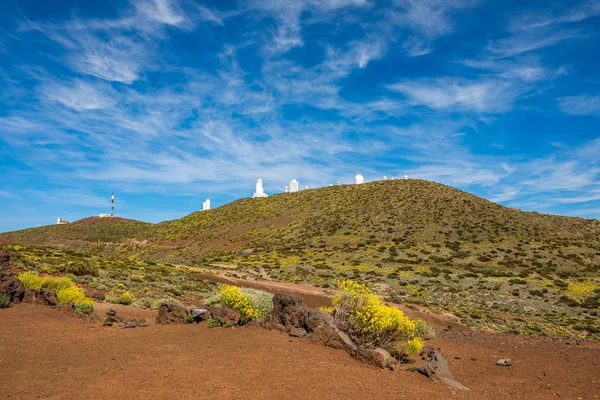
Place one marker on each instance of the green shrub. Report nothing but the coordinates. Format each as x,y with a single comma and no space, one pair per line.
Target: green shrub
168,300
261,301
214,323
83,309
424,330
188,319
142,303
79,269
4,300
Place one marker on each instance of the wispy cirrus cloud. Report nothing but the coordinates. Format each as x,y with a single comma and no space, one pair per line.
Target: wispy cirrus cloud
580,105
484,95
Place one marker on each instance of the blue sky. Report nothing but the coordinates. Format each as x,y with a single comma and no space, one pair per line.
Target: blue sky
172,102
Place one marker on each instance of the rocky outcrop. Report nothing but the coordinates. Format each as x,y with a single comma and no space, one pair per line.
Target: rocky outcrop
436,368
9,284
290,314
48,297
5,271
112,319
225,315
171,314
288,311
199,314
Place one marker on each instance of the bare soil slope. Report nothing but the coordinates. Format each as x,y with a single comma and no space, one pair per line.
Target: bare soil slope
47,354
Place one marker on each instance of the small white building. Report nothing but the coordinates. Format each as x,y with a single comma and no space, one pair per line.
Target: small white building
405,177
206,205
104,215
294,186
60,221
358,179
260,192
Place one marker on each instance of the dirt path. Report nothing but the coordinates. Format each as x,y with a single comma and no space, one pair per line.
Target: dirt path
47,354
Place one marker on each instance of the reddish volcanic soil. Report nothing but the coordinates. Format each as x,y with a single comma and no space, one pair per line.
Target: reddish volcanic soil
45,353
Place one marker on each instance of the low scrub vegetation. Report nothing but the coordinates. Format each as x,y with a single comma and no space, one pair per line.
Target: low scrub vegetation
362,314
250,303
4,300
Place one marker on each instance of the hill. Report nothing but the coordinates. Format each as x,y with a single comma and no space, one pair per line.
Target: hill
87,234
414,241
412,220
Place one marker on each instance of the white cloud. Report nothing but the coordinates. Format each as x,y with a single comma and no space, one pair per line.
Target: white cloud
485,95
79,95
162,11
528,41
580,105
542,18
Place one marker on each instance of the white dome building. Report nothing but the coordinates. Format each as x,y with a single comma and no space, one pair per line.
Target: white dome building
358,179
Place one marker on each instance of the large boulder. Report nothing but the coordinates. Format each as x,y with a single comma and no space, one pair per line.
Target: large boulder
288,310
376,357
322,329
48,297
437,369
171,314
198,314
30,296
225,315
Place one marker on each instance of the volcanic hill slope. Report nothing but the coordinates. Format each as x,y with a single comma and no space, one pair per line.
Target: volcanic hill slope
416,241
410,215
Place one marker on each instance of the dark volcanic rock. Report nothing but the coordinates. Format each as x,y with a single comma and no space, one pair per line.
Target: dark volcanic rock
30,297
199,314
288,310
377,357
111,312
322,329
8,283
48,296
13,287
436,368
98,296
171,314
5,271
225,315
297,332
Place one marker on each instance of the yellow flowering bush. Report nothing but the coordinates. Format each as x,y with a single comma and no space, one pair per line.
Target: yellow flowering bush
57,283
232,297
31,280
126,298
369,321
581,290
74,295
66,290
